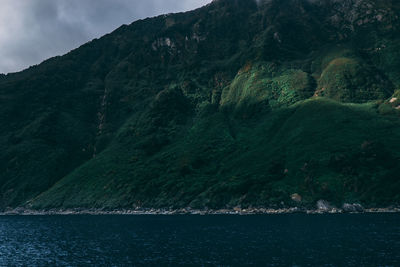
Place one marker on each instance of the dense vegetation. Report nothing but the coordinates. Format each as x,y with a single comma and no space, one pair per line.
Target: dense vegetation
236,103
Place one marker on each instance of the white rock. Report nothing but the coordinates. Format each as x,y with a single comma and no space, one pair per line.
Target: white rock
323,205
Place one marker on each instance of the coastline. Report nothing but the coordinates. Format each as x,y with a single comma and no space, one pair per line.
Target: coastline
189,211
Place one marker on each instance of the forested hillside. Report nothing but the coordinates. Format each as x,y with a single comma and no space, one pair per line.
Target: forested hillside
237,103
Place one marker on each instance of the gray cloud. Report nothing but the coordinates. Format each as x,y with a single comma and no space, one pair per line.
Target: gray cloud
34,30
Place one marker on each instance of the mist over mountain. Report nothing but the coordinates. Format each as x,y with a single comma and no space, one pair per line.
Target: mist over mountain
239,103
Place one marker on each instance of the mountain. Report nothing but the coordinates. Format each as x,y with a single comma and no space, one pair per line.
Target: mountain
238,103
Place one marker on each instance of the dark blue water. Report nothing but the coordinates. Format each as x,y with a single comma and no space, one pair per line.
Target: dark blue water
281,240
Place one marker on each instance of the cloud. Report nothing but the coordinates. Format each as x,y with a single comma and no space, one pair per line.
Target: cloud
34,30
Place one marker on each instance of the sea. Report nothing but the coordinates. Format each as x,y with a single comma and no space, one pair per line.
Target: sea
195,240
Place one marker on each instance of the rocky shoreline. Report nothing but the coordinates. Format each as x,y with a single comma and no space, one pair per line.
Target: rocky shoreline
347,208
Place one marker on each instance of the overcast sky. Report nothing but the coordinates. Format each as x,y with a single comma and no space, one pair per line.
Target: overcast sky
34,30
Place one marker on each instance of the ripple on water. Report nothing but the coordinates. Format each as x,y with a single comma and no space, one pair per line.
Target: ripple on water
290,240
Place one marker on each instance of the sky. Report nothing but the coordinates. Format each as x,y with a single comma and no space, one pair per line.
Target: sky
34,30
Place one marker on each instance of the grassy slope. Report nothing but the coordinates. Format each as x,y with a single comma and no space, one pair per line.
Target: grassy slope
212,117
317,148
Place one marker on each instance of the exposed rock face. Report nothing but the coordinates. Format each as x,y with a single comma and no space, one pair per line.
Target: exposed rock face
352,207
296,197
324,205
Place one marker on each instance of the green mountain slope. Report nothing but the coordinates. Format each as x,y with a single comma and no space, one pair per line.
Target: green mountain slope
236,103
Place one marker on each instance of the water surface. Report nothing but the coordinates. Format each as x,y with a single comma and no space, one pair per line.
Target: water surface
189,240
